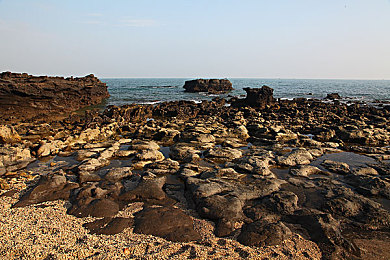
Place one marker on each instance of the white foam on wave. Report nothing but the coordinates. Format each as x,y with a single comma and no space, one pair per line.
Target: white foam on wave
150,102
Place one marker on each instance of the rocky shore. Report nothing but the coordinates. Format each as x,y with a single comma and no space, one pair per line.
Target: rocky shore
256,178
24,96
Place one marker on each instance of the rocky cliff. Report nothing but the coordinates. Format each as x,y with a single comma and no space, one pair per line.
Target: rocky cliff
26,96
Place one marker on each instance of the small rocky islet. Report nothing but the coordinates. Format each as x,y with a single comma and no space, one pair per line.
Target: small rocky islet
262,170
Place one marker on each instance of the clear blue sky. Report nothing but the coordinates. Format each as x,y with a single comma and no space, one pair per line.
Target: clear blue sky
202,38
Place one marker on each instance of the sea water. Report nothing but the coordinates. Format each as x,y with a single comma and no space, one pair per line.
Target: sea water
155,90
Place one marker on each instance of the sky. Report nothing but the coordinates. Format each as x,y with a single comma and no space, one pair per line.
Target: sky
336,39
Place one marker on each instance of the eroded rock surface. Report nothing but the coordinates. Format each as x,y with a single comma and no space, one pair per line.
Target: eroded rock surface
262,174
26,96
208,85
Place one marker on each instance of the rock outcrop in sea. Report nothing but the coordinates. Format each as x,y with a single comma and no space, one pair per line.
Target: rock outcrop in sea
27,96
256,97
213,86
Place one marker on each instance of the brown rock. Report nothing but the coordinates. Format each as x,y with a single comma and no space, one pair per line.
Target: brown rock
8,135
26,96
208,85
166,222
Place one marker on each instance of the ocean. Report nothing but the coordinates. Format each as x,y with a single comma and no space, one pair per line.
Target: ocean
154,90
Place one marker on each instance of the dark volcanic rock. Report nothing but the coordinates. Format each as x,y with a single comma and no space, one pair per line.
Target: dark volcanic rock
325,231
167,222
261,233
23,95
97,208
49,188
333,96
256,97
208,85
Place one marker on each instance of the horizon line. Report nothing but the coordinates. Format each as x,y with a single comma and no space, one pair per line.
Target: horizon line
289,78
166,77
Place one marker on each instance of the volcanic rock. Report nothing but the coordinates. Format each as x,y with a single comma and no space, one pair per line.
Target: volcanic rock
26,96
256,97
333,96
167,222
48,188
261,233
214,86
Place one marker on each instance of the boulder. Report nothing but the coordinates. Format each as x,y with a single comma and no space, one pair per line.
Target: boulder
8,134
96,208
49,188
262,233
166,222
214,86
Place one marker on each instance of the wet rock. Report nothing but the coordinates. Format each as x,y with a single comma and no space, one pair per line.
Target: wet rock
166,222
48,188
109,226
337,167
296,157
8,135
214,86
262,233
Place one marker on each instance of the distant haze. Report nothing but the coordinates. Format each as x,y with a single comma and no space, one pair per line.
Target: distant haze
190,39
